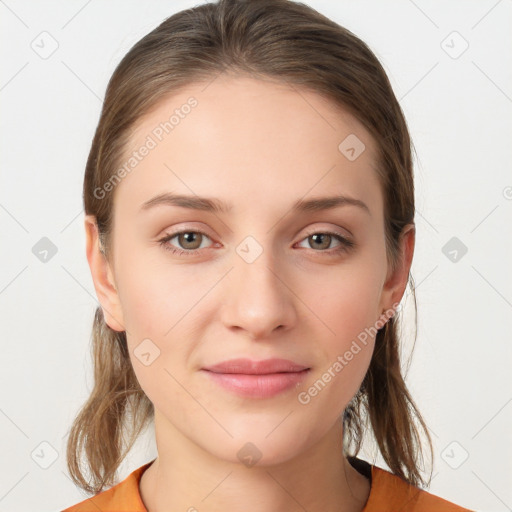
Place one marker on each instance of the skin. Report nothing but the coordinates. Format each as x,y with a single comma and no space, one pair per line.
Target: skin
261,146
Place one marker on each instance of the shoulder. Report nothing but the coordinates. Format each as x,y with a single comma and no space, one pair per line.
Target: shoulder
390,493
122,497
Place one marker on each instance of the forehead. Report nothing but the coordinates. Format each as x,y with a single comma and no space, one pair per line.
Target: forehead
247,140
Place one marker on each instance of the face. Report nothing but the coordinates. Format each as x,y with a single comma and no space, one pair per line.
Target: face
260,278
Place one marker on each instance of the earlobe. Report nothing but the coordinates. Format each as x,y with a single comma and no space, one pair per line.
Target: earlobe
102,277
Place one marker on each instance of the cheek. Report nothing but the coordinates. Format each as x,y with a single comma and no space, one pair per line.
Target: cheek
347,303
348,308
157,300
346,358
161,309
159,347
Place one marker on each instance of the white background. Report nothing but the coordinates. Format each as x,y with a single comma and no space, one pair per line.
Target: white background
459,114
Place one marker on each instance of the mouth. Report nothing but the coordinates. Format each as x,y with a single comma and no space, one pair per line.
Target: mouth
249,367
257,379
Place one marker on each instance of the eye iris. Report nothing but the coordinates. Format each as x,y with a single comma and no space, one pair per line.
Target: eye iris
321,236
187,238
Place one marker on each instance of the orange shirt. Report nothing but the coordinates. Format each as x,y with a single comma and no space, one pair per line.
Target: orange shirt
388,493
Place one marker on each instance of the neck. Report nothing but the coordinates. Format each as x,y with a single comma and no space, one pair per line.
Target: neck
185,477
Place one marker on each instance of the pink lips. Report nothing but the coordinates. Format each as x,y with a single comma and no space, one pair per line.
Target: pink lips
257,379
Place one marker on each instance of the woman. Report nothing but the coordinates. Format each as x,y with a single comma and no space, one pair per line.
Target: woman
234,139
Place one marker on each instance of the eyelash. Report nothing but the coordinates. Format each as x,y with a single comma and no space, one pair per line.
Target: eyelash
345,244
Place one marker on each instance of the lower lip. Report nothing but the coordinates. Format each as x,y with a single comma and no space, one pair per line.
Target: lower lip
258,386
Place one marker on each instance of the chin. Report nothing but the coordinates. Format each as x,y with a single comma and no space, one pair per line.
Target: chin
256,447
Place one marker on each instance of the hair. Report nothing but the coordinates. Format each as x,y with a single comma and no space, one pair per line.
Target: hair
265,39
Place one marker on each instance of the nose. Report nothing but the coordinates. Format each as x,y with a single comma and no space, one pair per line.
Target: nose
259,300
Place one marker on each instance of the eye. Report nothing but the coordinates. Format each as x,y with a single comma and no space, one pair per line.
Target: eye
323,239
187,239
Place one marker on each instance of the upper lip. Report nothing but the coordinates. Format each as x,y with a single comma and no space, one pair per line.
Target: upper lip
249,367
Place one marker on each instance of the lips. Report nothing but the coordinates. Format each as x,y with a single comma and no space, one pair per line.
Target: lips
257,379
249,367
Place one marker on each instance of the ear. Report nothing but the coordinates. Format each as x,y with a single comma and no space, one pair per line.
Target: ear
103,278
396,282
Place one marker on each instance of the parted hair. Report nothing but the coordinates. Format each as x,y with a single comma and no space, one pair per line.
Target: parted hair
280,40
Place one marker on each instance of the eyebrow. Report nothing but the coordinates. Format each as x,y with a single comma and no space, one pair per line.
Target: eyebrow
217,206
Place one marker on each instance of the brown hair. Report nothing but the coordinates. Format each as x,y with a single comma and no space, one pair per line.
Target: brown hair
276,39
